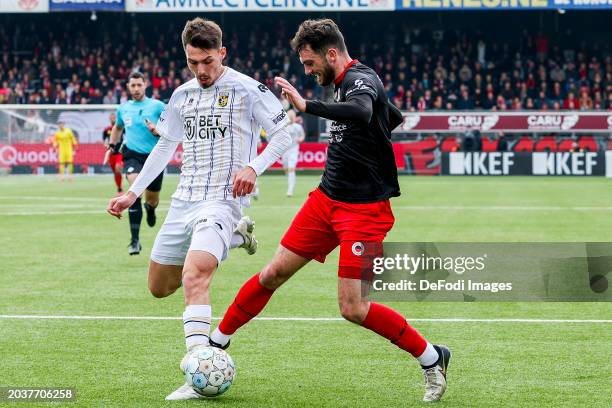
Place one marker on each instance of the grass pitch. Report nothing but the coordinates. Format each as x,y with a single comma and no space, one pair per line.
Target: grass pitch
61,255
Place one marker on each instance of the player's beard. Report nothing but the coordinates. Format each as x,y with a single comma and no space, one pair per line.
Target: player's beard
327,76
137,96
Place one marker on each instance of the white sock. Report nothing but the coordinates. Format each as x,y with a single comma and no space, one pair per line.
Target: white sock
219,337
429,356
237,240
196,322
291,176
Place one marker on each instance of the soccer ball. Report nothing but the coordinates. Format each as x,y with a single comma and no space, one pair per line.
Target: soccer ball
210,371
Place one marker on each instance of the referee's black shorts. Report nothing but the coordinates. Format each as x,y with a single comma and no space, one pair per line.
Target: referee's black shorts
132,164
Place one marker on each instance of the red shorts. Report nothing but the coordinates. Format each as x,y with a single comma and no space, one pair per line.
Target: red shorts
115,160
322,224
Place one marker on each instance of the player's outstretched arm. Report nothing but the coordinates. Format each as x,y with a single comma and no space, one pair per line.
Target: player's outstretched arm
358,108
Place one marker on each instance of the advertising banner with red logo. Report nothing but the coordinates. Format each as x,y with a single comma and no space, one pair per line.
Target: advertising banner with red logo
508,122
42,154
24,6
312,156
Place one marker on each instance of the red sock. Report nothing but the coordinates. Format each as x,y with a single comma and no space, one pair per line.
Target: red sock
250,300
392,325
118,179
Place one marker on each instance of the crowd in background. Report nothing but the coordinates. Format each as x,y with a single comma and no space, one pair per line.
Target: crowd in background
421,68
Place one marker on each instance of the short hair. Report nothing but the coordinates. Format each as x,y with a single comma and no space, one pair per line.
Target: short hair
136,75
201,33
321,35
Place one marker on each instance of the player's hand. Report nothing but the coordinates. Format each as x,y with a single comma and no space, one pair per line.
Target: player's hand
119,204
291,93
107,155
244,182
151,127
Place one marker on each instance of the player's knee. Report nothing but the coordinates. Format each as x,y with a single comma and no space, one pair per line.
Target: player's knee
353,311
152,202
160,291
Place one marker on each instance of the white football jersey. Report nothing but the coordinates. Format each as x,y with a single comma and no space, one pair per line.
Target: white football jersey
219,127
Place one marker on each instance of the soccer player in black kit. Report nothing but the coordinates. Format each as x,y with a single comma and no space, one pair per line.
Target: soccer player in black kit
350,208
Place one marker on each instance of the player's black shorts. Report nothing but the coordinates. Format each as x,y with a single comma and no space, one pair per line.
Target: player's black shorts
132,164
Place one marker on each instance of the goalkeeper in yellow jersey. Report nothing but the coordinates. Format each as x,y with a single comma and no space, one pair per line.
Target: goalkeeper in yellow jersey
65,143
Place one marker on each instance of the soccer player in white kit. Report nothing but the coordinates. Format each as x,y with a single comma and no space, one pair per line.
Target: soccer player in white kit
217,116
290,157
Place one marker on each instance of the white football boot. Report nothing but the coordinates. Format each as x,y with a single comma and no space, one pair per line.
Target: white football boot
245,228
185,391
435,377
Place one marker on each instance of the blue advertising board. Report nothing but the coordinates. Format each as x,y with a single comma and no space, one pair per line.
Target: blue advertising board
86,5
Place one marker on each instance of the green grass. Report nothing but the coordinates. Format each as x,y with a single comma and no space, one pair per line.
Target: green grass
73,261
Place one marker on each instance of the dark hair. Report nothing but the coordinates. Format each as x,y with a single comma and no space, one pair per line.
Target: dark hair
321,35
136,75
201,33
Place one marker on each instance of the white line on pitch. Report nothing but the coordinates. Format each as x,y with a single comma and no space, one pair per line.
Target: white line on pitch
54,198
396,208
101,211
308,319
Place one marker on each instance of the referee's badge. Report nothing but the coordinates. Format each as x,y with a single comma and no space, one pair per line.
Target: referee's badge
223,98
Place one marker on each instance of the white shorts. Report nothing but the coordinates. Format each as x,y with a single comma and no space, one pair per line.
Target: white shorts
290,157
198,225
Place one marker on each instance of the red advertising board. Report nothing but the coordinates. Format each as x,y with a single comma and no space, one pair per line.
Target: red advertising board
509,122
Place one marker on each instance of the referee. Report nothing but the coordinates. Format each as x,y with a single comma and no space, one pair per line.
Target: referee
137,116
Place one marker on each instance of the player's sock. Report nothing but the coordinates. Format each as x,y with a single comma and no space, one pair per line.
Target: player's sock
429,357
196,322
135,215
250,300
118,182
151,217
236,241
393,326
291,176
70,169
62,170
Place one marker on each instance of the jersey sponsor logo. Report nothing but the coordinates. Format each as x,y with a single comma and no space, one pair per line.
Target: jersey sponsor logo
336,132
206,127
189,127
223,99
358,86
279,117
263,88
357,248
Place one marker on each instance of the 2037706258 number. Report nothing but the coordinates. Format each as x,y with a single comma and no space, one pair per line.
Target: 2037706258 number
37,394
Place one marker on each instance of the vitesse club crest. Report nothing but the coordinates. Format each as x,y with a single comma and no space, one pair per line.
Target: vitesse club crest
222,100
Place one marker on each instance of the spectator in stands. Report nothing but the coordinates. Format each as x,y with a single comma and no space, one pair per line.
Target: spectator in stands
571,102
